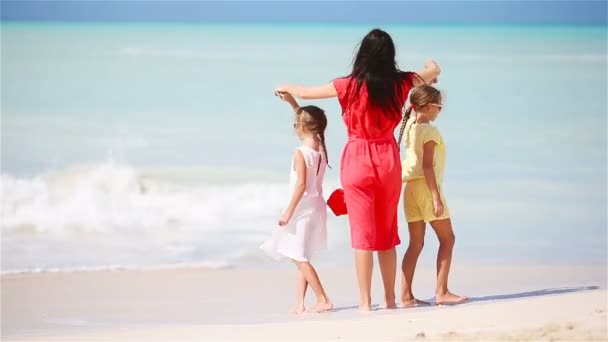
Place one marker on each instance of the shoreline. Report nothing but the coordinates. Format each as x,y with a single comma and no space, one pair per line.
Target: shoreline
236,302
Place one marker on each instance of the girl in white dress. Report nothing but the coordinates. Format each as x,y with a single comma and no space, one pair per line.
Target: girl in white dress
302,227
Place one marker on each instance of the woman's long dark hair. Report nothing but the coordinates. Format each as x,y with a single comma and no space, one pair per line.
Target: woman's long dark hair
375,66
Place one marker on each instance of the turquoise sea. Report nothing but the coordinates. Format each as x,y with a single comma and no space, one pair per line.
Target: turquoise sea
155,144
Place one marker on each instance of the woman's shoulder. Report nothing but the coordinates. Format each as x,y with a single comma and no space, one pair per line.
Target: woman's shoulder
409,76
346,78
409,80
341,83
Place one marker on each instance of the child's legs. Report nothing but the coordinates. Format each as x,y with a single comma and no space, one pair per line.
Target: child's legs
408,265
445,234
312,279
300,294
302,287
364,261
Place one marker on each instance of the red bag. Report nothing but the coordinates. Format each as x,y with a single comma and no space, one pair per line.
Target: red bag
336,202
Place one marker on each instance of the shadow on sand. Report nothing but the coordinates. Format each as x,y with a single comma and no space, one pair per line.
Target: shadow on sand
537,293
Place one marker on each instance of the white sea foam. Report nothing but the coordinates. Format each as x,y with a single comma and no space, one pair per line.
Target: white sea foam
106,214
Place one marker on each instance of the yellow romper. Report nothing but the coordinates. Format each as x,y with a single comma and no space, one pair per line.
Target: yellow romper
417,197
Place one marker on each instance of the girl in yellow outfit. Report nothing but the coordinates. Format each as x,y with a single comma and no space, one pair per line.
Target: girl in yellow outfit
423,199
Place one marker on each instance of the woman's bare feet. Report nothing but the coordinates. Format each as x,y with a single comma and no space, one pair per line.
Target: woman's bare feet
365,308
298,309
449,299
410,303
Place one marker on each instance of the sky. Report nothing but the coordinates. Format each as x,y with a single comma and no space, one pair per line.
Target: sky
365,12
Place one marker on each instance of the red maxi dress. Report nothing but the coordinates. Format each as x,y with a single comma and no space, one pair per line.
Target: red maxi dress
370,170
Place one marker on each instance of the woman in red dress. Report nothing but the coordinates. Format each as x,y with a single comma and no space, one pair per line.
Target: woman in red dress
372,98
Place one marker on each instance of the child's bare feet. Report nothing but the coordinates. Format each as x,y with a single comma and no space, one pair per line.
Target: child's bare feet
410,303
298,309
389,305
449,299
322,307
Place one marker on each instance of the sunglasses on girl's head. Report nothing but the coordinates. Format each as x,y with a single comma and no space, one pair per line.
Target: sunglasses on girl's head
438,105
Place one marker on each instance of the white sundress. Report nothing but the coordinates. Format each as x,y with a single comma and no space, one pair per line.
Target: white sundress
306,232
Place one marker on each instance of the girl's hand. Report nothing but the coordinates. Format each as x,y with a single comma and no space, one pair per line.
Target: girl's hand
282,89
284,219
285,96
438,206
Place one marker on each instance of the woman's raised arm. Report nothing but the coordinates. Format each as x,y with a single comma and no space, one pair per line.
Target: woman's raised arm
309,93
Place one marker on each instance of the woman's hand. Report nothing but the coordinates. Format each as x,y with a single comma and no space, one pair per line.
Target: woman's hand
438,206
430,73
431,64
434,67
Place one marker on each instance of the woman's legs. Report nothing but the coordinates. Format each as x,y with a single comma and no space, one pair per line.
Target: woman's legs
388,268
408,265
445,234
364,264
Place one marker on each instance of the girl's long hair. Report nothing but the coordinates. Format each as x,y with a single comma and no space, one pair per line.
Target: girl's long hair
420,96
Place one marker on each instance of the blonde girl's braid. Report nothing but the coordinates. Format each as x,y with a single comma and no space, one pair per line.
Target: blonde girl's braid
420,96
406,117
408,111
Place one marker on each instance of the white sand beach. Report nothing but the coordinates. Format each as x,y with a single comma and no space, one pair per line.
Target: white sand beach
507,303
